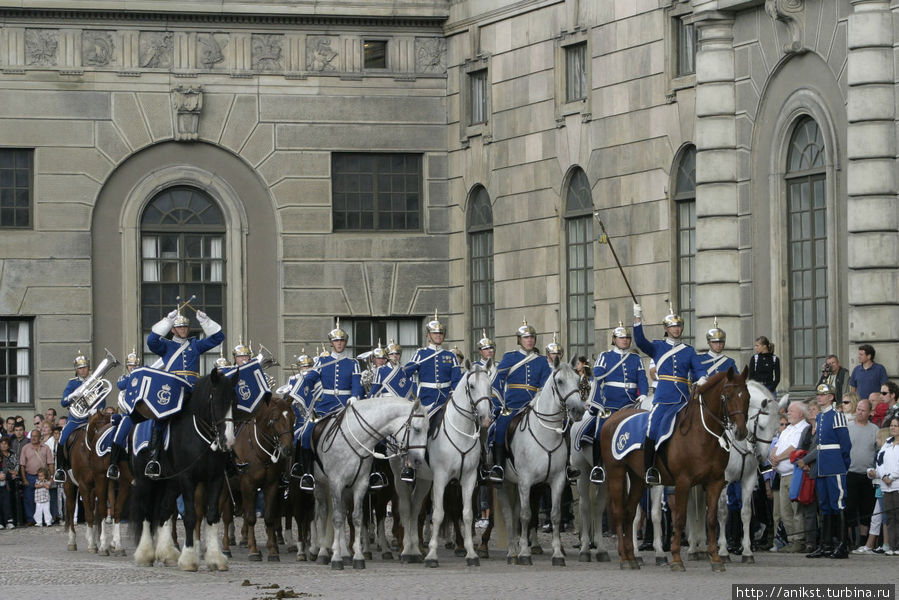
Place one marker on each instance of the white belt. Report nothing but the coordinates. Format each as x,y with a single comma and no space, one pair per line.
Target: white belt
435,386
338,392
619,384
828,447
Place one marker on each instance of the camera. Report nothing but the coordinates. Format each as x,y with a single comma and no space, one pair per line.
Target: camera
826,368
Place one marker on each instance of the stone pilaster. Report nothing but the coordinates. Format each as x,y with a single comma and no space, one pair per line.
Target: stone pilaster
873,208
717,225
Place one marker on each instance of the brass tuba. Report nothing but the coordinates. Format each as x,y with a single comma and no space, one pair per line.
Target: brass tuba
93,390
266,360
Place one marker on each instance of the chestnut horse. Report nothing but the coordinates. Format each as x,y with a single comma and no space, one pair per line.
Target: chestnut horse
695,454
87,478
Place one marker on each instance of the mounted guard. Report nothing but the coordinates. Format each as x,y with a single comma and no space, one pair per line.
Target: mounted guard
487,350
715,361
390,379
119,448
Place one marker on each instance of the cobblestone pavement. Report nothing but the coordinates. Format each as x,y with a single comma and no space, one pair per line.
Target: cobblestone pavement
35,562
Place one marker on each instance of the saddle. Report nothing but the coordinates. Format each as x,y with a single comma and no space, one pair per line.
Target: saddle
434,422
515,425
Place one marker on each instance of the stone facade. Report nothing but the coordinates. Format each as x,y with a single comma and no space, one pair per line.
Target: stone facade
248,100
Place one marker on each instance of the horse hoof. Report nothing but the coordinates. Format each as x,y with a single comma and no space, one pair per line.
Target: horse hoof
274,558
243,544
103,553
72,547
483,553
538,549
432,563
640,560
725,558
661,560
337,565
511,560
525,561
387,556
292,548
603,557
583,557
718,567
449,545
558,561
629,565
635,564
367,556
92,550
173,562
473,562
322,559
359,563
227,553
749,560
301,557
460,552
255,557
678,566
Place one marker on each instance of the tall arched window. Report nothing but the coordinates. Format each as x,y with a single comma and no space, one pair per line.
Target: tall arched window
685,208
480,256
579,264
182,244
807,252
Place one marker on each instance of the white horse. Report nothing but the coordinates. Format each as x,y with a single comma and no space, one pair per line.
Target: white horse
345,449
540,455
454,452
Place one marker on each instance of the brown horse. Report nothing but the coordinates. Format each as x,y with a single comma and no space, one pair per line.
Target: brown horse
692,456
265,443
87,478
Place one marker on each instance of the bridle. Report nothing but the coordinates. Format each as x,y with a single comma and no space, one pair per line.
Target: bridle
472,412
275,440
562,408
727,420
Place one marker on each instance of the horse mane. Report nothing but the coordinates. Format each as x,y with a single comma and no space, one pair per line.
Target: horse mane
758,393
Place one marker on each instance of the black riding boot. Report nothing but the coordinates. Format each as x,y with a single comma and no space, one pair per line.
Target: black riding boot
648,533
407,474
153,469
234,467
597,474
841,548
825,545
649,458
302,469
499,460
296,469
115,457
62,465
483,467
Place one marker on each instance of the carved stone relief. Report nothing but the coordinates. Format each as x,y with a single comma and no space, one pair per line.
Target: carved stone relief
430,55
267,50
157,49
211,49
792,14
321,53
188,103
41,47
97,48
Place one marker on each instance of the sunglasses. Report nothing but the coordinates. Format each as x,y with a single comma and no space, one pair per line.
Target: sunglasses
847,401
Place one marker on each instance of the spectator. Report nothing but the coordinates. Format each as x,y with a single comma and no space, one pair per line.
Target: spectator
10,424
836,375
35,456
787,442
809,464
889,392
859,491
584,372
51,440
764,366
42,516
9,474
879,409
876,518
61,421
887,470
17,443
38,419
867,376
848,405
50,415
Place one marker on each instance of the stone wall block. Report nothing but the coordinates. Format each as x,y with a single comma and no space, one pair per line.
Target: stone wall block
281,165
715,99
716,132
717,199
872,213
129,118
870,65
714,166
40,300
260,144
241,122
871,139
867,29
874,324
871,177
717,298
315,219
871,103
64,329
875,249
715,65
157,109
212,120
300,301
45,132
87,161
387,137
110,142
716,266
34,104
296,191
718,233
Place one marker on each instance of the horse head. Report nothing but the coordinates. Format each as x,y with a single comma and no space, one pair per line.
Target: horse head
218,403
276,419
95,425
417,435
475,388
564,385
735,399
763,418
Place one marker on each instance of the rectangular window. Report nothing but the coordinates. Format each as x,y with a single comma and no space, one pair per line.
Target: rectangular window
477,88
576,72
579,267
686,267
375,54
16,176
376,192
686,47
481,244
364,334
15,360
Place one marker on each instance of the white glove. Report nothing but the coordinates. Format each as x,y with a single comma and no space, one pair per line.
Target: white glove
164,326
638,311
171,316
202,317
641,398
701,381
208,326
352,401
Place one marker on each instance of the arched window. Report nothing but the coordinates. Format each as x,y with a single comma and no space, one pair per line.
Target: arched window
685,208
480,256
807,252
579,264
182,243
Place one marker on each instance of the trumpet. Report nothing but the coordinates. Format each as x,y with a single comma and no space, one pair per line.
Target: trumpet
93,390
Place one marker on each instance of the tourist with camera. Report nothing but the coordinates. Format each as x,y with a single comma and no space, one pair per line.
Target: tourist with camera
836,376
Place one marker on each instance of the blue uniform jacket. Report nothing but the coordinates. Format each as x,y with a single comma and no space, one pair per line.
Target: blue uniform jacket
832,438
517,381
340,378
674,372
618,385
187,364
438,373
399,384
716,363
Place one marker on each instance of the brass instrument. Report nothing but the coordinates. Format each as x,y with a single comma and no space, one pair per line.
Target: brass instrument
266,360
93,390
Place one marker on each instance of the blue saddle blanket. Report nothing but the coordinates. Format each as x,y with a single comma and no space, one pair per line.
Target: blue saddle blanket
161,391
104,442
252,386
629,435
140,436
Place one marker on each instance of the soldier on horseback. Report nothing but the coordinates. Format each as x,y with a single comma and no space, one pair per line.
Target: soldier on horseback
82,369
520,375
486,348
675,363
341,384
620,382
179,355
715,361
125,424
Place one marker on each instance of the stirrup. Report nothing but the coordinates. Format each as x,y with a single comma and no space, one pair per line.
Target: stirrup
653,477
153,469
376,481
307,482
572,473
59,476
598,475
296,471
408,475
496,474
241,467
112,473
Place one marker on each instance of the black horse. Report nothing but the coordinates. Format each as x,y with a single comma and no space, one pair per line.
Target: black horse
201,436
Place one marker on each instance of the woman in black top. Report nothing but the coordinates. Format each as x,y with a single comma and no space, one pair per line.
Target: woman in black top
764,366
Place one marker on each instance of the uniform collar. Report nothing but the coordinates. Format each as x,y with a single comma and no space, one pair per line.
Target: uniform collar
714,354
826,408
525,352
435,347
340,355
618,350
179,340
672,341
